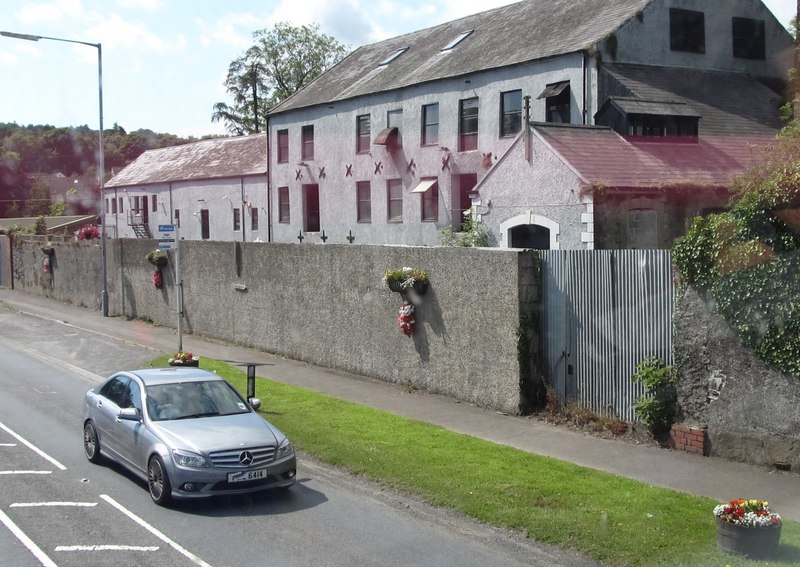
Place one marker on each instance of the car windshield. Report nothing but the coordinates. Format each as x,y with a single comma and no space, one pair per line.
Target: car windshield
186,400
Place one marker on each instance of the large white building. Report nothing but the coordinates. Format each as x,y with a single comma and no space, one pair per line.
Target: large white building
559,123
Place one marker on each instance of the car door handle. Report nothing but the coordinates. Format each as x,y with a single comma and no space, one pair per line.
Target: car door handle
100,404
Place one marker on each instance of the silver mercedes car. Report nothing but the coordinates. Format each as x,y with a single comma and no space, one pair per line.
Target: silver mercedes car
187,432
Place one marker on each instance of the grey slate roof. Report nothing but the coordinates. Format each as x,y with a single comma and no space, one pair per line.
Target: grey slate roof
510,35
208,159
728,103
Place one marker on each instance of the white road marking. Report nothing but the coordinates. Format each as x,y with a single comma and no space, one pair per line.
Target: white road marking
33,448
8,444
189,555
106,548
26,472
91,376
49,504
26,541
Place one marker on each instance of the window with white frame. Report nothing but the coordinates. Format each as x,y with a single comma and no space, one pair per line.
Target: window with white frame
394,200
364,201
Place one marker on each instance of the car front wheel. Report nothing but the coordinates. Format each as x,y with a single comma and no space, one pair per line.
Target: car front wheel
158,481
91,445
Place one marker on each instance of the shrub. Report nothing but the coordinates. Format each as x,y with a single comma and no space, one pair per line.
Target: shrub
658,407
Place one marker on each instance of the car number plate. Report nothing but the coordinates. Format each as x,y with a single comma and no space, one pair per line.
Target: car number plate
247,475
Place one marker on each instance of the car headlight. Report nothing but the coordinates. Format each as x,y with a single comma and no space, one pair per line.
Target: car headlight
190,460
285,449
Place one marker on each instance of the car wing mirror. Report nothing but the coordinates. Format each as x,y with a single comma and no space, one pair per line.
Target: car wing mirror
130,414
255,403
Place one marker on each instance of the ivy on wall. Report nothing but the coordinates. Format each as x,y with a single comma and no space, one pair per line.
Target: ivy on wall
748,259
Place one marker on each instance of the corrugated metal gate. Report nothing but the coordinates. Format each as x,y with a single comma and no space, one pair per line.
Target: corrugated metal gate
5,261
603,311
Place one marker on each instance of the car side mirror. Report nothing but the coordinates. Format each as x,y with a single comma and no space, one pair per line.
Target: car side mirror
255,403
130,414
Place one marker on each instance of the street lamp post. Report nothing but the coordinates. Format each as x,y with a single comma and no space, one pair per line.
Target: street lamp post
101,154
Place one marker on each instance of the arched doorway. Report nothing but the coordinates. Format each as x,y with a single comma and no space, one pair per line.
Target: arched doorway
529,230
529,236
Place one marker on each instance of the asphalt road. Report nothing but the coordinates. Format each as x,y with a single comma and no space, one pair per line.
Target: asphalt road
58,509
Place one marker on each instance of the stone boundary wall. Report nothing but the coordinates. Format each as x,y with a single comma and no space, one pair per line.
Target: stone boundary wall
323,304
749,408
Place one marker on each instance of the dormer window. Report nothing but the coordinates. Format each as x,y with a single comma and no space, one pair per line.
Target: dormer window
393,56
461,37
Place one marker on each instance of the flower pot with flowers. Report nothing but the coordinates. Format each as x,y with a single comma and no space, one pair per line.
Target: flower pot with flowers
403,280
184,359
747,527
87,232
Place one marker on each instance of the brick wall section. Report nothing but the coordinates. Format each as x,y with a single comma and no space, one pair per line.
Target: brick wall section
691,439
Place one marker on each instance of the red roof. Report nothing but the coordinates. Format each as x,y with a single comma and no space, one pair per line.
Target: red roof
601,157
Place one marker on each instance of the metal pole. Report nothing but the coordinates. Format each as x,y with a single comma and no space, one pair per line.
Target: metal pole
178,289
101,154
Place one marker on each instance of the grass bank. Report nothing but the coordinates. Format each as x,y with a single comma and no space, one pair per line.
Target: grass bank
614,520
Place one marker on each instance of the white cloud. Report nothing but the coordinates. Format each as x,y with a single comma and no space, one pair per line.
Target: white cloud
234,28
146,5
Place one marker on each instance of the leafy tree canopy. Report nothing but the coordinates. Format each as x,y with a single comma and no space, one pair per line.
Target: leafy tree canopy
283,60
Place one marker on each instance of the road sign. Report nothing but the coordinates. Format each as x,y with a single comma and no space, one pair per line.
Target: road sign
165,244
166,231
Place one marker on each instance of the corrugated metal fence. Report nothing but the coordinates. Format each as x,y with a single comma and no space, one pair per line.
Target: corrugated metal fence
603,311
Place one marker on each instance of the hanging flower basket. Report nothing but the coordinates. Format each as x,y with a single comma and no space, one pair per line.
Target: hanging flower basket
184,359
157,258
403,280
747,527
158,279
47,248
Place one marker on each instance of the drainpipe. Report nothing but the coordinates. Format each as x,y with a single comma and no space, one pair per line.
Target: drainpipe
527,134
583,68
269,185
244,206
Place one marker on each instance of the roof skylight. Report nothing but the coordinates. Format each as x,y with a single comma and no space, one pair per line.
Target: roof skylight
461,37
393,56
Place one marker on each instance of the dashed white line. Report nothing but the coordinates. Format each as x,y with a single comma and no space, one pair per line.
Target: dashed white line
52,504
8,444
33,448
107,548
26,472
26,541
186,553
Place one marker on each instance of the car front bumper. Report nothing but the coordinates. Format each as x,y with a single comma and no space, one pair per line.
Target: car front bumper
201,483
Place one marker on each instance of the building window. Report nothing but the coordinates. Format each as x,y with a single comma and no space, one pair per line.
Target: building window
113,206
311,208
254,218
307,135
510,113
468,124
430,203
394,119
154,204
643,229
205,231
120,205
283,204
237,219
748,39
364,199
557,103
283,146
394,204
657,125
177,217
362,133
430,124
687,31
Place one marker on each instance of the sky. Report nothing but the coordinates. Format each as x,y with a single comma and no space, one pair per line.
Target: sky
164,62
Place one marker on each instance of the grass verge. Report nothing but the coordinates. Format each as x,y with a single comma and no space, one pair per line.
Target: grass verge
614,520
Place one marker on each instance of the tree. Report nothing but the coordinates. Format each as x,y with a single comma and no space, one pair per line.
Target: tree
283,60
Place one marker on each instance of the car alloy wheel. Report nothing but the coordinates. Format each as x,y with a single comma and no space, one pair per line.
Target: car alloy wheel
91,446
158,481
